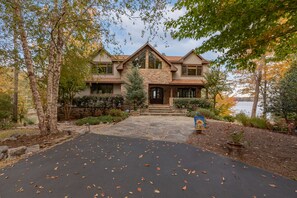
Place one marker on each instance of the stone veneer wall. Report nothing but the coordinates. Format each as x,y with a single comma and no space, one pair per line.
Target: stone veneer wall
150,76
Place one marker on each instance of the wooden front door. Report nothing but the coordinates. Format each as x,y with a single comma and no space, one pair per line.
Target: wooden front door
156,95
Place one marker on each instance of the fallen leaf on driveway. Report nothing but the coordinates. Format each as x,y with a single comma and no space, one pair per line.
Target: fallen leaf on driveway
272,185
21,189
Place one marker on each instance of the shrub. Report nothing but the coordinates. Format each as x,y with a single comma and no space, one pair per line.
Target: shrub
206,113
258,123
5,106
101,119
243,119
237,137
229,118
28,121
115,112
191,103
280,125
5,124
102,102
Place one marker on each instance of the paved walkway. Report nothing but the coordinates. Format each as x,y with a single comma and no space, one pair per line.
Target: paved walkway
108,166
168,128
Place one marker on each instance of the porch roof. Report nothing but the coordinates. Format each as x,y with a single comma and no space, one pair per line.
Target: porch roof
106,80
187,82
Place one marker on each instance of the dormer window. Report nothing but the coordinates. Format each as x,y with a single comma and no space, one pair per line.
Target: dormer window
191,70
103,69
139,61
154,62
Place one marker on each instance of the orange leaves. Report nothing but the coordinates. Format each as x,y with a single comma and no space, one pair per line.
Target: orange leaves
225,104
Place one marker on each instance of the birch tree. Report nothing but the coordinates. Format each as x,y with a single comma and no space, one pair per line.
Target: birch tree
45,28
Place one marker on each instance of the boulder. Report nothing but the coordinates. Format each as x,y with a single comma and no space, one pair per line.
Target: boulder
15,136
15,152
3,152
33,149
9,139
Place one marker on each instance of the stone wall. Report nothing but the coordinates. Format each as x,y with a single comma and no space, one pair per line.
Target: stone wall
150,76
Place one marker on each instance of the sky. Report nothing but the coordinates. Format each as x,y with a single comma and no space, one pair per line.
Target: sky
167,45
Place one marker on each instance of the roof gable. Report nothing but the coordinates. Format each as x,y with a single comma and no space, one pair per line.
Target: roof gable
102,56
191,53
121,66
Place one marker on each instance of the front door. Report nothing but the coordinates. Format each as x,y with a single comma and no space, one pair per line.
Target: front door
156,95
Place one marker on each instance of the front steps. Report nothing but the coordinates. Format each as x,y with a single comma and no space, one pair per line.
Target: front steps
162,110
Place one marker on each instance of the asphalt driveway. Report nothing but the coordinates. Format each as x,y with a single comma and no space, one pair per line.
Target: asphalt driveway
108,166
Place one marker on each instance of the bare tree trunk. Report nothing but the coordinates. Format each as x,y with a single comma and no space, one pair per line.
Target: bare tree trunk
15,77
50,85
29,63
265,91
57,72
257,86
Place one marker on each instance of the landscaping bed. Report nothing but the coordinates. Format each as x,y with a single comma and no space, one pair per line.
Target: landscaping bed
29,140
271,151
18,143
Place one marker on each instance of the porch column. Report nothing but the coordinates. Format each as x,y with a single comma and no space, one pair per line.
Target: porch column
171,97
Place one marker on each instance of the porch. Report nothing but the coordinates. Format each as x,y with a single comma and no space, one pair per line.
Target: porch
165,94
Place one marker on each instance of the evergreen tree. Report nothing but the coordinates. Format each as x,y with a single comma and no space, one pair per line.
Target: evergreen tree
135,95
284,100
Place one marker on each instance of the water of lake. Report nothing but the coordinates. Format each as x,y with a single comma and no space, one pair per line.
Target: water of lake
246,107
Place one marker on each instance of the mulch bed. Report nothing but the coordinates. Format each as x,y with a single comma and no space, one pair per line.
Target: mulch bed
271,151
43,140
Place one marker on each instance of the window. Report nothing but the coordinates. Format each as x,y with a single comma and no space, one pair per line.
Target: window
191,70
101,88
154,62
103,69
186,92
139,61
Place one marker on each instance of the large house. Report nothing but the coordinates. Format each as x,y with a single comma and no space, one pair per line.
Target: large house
165,77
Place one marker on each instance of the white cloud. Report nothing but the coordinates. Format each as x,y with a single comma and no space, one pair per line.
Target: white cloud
167,45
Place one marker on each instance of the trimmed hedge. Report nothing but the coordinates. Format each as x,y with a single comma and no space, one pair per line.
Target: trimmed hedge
191,103
103,103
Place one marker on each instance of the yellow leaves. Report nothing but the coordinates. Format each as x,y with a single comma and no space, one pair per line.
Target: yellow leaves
225,104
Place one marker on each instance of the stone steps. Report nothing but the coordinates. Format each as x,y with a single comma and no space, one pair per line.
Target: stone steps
163,110
162,114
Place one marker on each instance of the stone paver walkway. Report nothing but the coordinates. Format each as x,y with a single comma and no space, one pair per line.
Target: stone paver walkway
109,166
168,128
